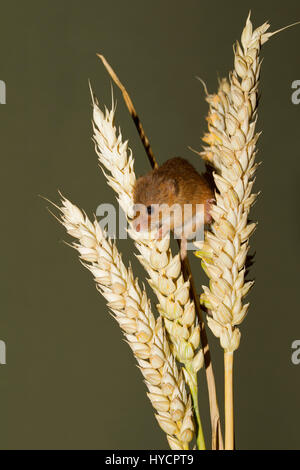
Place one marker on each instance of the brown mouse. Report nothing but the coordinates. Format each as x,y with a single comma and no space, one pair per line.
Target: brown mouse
173,197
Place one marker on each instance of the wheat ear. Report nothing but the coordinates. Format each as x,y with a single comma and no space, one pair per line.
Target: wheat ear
231,151
166,279
145,335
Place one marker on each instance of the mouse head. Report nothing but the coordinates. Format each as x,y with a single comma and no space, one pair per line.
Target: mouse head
153,194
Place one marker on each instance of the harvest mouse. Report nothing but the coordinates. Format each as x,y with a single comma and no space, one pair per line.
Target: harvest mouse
173,197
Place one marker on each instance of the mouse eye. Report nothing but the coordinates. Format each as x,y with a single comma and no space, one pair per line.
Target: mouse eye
149,209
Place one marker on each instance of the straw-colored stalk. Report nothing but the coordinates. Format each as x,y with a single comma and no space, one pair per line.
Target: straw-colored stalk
231,151
164,269
228,402
145,335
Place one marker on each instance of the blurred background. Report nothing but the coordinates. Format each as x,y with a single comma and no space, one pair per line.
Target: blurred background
71,381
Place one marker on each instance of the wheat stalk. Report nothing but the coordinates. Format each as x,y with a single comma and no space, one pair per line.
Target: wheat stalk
231,151
145,335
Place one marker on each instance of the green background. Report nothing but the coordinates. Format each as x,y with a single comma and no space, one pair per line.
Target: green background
70,380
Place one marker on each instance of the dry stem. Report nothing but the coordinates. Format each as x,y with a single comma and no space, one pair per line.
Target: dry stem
229,414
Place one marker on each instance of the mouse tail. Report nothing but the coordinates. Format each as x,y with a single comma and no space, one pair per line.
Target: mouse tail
132,111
